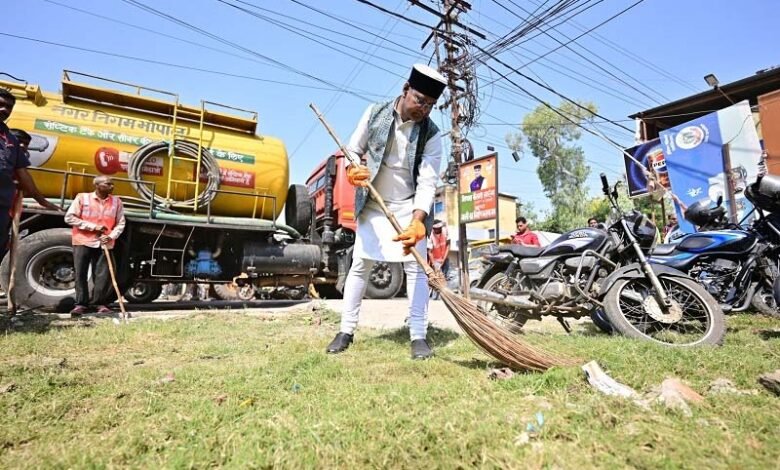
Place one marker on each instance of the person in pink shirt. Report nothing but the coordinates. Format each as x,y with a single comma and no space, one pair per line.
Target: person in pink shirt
524,235
98,219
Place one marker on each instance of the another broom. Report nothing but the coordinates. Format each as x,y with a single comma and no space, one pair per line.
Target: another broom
112,272
13,250
481,330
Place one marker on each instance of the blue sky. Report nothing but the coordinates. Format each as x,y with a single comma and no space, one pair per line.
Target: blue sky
686,39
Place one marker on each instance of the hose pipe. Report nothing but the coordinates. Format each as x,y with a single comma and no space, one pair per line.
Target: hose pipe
181,148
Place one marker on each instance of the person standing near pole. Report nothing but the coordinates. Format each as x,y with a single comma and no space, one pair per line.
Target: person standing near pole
97,218
439,248
403,151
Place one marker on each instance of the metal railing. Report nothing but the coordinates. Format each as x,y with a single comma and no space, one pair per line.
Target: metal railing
67,174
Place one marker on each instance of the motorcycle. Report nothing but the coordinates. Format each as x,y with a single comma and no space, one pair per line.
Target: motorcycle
738,266
589,270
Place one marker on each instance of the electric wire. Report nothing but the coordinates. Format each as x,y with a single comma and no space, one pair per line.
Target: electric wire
548,88
356,69
363,95
204,32
315,39
568,47
353,25
633,56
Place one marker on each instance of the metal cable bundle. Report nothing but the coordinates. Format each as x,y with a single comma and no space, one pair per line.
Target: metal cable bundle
181,148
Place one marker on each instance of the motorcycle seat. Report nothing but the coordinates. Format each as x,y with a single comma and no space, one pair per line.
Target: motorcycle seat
664,249
521,251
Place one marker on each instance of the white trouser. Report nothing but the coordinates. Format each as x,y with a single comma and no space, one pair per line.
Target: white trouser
416,291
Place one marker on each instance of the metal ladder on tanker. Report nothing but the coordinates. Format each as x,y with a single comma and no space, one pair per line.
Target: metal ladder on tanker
197,161
158,250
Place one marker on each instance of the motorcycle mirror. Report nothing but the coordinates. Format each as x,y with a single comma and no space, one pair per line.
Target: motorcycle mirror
720,200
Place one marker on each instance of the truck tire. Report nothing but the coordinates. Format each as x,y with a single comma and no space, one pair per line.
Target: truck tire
298,209
143,292
44,269
385,280
233,291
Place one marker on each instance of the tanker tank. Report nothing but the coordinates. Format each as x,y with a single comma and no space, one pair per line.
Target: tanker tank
99,130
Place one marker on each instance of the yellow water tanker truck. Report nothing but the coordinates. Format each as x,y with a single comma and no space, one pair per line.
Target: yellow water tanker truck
202,190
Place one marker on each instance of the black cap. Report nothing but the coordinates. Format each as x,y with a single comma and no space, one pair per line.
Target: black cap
427,81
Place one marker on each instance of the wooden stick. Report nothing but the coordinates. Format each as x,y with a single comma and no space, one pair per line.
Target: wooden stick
107,254
13,249
374,193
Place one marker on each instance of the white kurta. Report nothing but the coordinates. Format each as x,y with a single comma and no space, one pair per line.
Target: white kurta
375,234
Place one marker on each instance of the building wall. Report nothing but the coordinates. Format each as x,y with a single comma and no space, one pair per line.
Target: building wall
769,108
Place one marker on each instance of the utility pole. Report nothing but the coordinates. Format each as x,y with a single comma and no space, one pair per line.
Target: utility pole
458,69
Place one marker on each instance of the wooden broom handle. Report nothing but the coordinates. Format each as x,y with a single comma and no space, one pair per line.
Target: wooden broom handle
374,193
110,262
14,250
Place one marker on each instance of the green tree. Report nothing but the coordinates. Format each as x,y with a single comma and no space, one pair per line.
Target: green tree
562,171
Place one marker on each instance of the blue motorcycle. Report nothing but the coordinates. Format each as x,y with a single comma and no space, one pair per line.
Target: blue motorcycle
738,266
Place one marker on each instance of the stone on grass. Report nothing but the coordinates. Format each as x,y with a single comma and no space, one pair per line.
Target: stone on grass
674,394
726,386
502,373
771,381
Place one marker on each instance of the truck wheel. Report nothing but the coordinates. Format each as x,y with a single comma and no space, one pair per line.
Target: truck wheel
298,209
44,269
385,280
143,292
233,291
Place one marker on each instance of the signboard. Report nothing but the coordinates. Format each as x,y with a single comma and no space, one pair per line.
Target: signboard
651,155
714,155
477,191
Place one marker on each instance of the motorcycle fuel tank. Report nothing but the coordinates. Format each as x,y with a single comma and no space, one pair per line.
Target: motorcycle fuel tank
721,241
576,241
691,247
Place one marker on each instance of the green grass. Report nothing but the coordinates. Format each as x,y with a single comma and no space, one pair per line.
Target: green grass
252,392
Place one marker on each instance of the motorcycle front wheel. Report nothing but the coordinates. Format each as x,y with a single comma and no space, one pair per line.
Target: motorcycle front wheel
695,318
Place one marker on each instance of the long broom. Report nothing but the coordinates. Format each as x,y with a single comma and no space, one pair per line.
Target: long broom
480,329
13,249
107,254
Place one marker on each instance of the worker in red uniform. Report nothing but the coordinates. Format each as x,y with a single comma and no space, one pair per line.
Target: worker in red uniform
97,218
439,250
524,235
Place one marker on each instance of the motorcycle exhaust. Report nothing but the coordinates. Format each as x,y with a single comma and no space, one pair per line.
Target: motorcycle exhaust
518,301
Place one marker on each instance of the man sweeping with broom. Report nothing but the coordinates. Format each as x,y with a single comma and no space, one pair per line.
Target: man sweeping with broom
403,150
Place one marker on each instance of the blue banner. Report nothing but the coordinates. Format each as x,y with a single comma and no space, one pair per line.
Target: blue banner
714,155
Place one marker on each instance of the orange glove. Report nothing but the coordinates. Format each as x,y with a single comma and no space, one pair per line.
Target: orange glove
358,175
413,234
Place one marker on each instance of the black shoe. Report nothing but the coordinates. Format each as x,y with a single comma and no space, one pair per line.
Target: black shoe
340,343
421,350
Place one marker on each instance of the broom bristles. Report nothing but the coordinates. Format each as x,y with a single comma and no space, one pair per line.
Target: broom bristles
489,337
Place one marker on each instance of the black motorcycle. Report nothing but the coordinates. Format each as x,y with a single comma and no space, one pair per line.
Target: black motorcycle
738,266
588,270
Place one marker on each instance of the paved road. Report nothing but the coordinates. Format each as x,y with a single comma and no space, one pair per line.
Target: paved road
391,313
